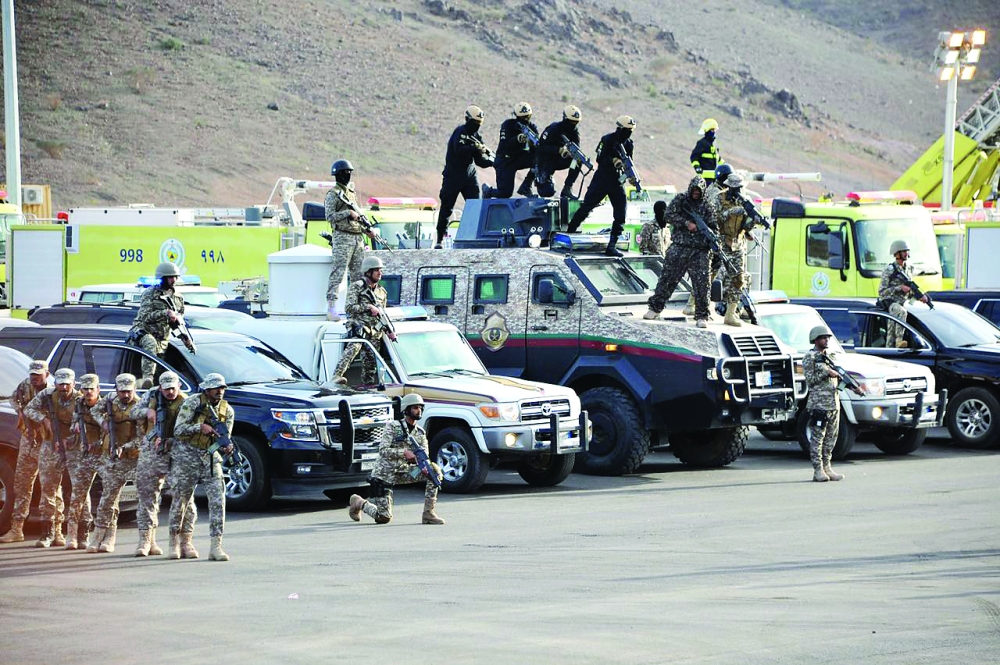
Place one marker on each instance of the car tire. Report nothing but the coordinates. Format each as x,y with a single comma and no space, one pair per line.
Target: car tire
709,450
6,495
463,465
546,470
846,435
973,418
619,441
248,487
901,441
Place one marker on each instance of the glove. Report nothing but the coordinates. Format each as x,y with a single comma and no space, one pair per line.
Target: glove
437,470
521,138
617,162
564,152
698,170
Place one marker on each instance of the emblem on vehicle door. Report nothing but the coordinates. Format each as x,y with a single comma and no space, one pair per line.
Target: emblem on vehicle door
495,332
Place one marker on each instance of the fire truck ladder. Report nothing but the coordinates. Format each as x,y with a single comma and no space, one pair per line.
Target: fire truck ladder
982,121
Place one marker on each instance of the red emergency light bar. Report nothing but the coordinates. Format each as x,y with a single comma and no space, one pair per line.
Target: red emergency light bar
421,202
887,196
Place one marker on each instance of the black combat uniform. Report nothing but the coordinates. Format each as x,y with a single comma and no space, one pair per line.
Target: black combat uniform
607,182
548,160
460,176
512,156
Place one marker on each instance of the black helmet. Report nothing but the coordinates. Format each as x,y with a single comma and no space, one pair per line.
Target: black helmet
722,172
340,165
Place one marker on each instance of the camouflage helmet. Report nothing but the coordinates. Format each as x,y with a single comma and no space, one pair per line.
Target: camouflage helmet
90,381
65,375
819,331
341,165
898,246
522,110
125,381
413,399
213,380
167,269
474,113
722,172
625,122
371,263
572,113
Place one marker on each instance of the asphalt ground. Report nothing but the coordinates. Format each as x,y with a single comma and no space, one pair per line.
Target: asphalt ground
899,563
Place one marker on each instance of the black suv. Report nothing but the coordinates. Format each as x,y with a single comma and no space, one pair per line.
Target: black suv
294,436
207,318
961,347
980,301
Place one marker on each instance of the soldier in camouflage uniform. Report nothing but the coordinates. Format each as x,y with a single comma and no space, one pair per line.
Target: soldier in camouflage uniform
54,408
893,293
154,458
191,463
83,457
822,405
365,299
32,435
733,241
689,252
654,238
348,243
159,308
114,413
396,465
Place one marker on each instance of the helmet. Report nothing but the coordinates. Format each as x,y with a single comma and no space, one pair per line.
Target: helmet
167,269
819,331
413,399
722,172
371,263
898,246
340,165
625,122
522,110
572,113
709,125
473,112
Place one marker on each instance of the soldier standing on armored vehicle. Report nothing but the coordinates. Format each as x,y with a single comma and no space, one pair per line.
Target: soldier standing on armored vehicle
553,155
366,301
654,238
465,152
514,152
160,307
823,405
894,292
733,241
347,243
688,253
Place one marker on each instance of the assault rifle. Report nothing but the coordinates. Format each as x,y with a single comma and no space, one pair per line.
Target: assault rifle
363,220
917,293
57,440
384,322
221,434
713,240
577,155
179,327
529,135
159,430
754,216
628,169
849,381
109,421
81,425
423,461
478,145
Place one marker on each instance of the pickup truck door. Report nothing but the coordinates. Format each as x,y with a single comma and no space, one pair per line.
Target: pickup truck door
552,340
871,336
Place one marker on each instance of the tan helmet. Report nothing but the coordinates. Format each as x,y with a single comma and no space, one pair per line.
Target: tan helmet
898,246
819,331
167,269
413,399
708,125
370,263
625,122
572,113
522,110
475,113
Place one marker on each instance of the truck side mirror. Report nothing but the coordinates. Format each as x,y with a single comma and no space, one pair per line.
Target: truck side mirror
835,251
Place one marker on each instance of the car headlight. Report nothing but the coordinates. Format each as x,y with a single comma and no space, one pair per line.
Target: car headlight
800,370
298,424
501,411
871,387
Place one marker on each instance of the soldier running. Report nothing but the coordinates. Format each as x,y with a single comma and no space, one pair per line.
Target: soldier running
160,307
553,155
465,152
348,243
893,293
514,152
396,465
822,405
366,300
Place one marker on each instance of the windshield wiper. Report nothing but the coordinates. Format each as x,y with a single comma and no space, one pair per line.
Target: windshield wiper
465,370
427,374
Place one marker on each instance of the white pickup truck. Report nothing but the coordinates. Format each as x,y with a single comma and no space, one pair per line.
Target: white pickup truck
474,420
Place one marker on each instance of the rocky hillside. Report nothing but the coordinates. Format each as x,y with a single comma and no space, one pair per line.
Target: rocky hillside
209,102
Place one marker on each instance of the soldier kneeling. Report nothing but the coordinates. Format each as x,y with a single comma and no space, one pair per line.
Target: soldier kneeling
397,465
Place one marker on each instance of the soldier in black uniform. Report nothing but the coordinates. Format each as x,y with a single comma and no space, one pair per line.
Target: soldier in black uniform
466,151
608,181
552,155
514,152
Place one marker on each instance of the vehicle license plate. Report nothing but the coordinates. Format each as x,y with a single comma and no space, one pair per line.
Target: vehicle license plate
762,378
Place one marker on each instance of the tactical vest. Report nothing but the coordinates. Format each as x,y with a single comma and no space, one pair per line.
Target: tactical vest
125,428
91,427
203,441
172,409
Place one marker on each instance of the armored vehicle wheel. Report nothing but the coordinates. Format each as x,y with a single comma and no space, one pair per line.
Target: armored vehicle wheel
546,470
619,442
902,441
6,495
973,418
846,435
712,449
248,483
462,463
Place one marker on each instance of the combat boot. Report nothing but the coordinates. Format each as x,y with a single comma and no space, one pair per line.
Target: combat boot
701,323
175,545
154,549
611,250
84,529
818,474
187,547
217,554
689,307
731,318
429,516
95,540
16,533
902,345
47,536
525,189
651,315
487,191
72,535
357,505
142,549
109,539
567,193
830,473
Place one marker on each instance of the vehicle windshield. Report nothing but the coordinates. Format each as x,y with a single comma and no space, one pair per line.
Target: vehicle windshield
436,351
242,362
875,236
613,278
793,328
203,298
957,326
948,252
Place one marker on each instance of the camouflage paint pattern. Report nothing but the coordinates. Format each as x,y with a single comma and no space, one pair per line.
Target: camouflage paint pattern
653,240
116,472
823,397
51,462
348,246
889,292
392,468
154,313
153,465
26,469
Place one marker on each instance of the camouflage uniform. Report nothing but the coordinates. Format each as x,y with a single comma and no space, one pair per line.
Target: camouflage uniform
191,464
732,239
153,322
653,240
116,472
822,407
32,435
892,299
392,468
366,326
154,465
689,251
348,244
82,461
